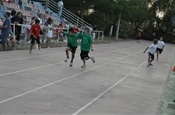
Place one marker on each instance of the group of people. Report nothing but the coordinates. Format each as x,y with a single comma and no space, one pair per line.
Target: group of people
156,48
72,42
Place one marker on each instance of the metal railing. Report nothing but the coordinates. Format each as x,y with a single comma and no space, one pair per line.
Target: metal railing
69,16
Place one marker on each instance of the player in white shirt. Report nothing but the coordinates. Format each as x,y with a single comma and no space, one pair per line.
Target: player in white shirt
151,52
160,47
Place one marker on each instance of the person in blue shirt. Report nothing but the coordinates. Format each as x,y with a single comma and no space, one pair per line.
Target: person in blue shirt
5,30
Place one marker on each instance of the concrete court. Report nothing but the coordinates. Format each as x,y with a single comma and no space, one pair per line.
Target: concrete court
119,83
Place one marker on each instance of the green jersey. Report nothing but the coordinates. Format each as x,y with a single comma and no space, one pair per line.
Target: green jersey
86,41
72,39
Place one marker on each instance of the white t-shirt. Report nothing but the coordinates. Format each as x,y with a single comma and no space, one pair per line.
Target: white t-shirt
60,4
41,21
152,49
50,31
160,44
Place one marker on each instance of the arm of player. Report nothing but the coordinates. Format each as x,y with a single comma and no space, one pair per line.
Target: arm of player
146,49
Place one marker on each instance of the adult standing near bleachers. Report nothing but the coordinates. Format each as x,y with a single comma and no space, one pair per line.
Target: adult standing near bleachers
49,25
6,27
20,20
12,18
17,19
60,8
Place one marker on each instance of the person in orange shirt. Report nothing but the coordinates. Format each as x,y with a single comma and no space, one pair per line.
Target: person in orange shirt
139,36
60,33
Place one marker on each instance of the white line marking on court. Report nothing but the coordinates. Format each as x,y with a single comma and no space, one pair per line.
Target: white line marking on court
103,93
44,86
56,63
44,55
28,57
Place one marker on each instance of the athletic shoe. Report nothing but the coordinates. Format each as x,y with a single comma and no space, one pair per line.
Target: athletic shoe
93,59
66,59
83,66
71,64
151,64
148,65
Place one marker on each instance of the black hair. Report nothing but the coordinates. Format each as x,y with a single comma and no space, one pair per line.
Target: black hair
49,20
37,21
33,18
155,41
8,14
71,30
13,12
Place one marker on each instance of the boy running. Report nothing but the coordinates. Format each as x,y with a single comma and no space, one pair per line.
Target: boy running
72,45
35,32
86,45
151,52
160,47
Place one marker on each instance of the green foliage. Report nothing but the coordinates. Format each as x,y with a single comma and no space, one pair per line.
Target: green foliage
137,14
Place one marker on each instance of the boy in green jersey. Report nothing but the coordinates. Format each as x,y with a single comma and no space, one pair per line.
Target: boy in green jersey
86,45
71,45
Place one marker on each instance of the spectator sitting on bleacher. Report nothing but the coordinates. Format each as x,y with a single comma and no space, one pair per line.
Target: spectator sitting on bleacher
5,30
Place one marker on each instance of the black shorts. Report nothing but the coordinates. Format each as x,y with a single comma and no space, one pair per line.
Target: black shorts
72,48
84,54
35,39
159,50
151,55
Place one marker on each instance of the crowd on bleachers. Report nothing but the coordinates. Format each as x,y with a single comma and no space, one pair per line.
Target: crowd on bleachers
24,13
21,21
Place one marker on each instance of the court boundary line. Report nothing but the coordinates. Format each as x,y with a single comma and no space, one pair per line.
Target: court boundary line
34,68
60,80
5,60
107,90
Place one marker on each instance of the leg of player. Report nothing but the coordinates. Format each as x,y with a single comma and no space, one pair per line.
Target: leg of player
67,54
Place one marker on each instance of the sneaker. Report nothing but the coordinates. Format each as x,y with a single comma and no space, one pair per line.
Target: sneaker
151,64
71,64
66,59
93,59
83,66
148,65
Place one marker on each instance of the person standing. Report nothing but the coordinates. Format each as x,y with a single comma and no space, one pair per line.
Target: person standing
60,8
160,47
94,32
5,30
49,26
17,20
139,35
86,45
